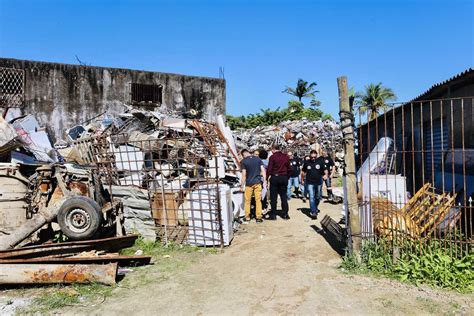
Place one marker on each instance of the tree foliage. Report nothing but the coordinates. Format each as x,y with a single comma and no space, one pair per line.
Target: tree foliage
304,89
295,111
374,99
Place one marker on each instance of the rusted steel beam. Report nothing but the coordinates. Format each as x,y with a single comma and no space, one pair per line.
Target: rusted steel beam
58,273
121,260
111,244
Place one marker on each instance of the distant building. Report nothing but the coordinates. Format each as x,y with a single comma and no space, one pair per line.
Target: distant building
62,95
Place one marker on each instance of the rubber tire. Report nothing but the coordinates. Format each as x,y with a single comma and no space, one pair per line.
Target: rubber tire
92,209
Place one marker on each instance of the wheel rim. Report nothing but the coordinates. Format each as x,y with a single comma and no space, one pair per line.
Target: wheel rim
78,220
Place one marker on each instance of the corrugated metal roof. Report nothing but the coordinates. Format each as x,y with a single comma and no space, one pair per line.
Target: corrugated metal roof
424,94
459,75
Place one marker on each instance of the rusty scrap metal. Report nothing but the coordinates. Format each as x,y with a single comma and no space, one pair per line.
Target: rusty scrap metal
111,244
101,259
58,273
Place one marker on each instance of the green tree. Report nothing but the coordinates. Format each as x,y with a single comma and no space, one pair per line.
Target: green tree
374,99
295,106
303,89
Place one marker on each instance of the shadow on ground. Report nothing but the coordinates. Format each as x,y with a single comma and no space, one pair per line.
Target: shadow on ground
307,211
335,243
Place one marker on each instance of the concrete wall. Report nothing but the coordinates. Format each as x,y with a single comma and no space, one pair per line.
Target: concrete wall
61,95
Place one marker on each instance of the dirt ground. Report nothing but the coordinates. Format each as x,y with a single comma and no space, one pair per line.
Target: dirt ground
278,267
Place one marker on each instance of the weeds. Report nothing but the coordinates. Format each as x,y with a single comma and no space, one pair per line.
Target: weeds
56,297
430,264
167,260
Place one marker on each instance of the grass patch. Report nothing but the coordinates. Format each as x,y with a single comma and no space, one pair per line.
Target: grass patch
167,261
337,182
59,296
427,264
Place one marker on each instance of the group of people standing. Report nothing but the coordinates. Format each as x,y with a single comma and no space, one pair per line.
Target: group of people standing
281,173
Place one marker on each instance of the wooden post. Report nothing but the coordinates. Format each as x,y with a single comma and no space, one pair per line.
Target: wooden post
347,118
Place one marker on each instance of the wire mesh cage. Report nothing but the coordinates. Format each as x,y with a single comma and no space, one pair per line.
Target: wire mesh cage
182,173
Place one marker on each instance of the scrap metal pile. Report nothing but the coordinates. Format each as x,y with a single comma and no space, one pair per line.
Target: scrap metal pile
135,165
151,173
90,261
302,133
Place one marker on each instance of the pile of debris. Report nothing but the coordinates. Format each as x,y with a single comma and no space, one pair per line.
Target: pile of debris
138,172
292,134
95,261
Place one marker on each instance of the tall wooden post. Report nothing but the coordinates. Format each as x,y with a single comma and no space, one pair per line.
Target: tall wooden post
347,121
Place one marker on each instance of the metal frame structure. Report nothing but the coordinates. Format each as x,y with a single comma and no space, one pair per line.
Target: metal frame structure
183,170
427,195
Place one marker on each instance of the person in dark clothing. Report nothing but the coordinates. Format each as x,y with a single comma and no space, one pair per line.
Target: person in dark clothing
278,170
331,168
253,174
304,183
294,179
314,174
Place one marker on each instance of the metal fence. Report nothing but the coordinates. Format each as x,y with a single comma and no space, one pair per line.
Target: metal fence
12,83
416,174
180,174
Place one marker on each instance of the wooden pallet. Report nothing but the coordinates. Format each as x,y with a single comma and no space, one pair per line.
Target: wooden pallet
420,217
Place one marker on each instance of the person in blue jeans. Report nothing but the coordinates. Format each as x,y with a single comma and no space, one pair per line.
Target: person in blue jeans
314,172
294,177
304,183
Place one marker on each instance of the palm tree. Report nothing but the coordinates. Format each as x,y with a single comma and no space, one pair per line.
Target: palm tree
374,99
303,89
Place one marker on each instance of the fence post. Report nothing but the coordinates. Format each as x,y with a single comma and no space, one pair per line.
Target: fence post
347,121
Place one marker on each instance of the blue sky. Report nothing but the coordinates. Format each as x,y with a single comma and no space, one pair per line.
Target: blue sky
263,45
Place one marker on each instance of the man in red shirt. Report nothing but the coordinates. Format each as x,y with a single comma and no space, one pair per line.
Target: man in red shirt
278,171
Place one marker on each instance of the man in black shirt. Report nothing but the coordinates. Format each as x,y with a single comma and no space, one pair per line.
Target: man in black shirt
331,168
294,178
314,173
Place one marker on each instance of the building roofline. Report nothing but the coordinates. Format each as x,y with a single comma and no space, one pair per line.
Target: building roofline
104,67
439,84
421,97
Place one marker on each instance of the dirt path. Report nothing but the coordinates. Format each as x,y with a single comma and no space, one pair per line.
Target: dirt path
282,267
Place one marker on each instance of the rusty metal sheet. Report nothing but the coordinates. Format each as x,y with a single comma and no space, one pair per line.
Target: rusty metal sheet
122,261
58,273
111,244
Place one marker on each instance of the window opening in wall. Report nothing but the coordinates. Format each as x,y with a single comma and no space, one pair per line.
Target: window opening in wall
151,94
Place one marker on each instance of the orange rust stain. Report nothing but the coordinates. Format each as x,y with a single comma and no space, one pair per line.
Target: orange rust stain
79,188
56,196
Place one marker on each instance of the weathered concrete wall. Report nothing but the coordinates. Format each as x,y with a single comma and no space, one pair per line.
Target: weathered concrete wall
62,95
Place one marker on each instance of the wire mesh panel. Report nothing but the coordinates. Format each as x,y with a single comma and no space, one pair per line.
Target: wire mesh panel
416,174
11,87
182,171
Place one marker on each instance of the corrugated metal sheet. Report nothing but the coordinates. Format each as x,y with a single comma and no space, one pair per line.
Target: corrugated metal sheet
455,77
